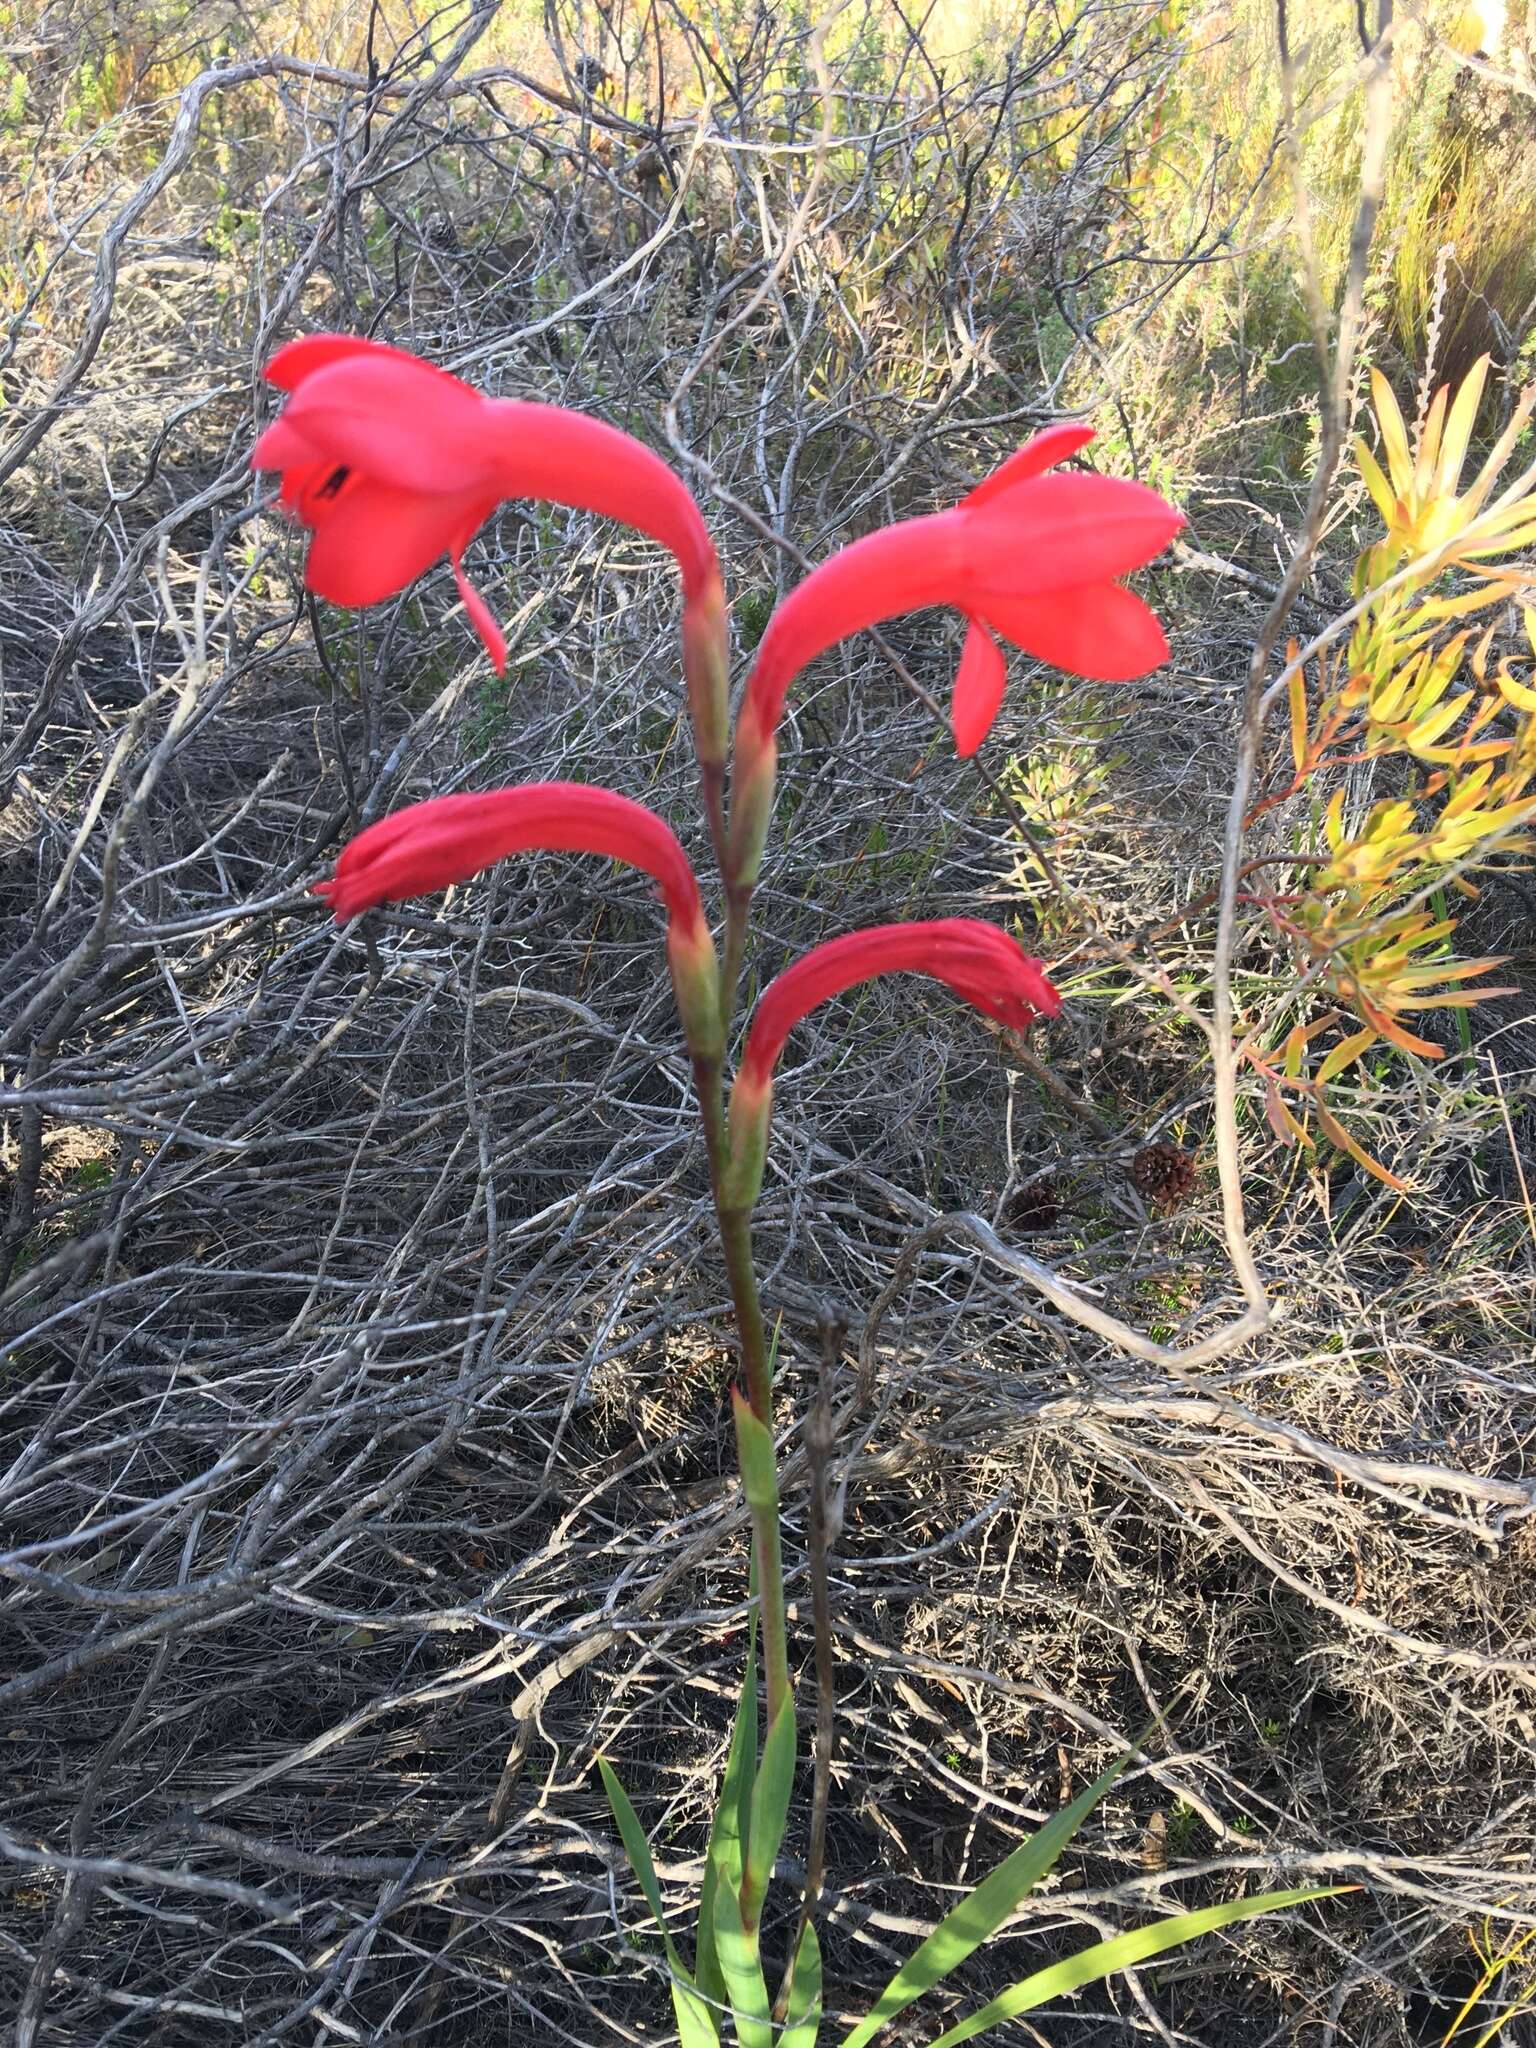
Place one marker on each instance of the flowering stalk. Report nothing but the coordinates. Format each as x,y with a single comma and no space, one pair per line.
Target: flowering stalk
393,464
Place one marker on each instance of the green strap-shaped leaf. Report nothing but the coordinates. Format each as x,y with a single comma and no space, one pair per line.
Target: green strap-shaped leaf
695,2022
1104,1958
742,1969
724,1859
802,2020
770,1808
982,1911
636,1848
754,1449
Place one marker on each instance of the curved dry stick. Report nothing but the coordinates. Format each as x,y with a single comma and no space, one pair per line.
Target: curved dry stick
1060,1294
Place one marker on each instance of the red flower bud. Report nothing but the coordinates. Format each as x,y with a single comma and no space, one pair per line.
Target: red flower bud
981,964
394,463
1027,555
449,838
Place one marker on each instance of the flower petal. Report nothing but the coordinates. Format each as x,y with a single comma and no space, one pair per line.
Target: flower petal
377,539
299,479
1105,632
480,616
299,359
1051,445
398,419
282,445
1059,532
979,684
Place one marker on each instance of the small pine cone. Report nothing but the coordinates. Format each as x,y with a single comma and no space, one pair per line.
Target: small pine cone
1036,1207
1164,1175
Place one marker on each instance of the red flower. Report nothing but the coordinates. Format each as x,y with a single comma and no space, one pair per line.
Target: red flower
450,838
981,964
394,464
1027,555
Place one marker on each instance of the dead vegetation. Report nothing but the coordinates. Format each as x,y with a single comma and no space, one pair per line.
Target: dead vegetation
365,1470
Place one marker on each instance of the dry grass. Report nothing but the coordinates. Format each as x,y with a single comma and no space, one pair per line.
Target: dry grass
365,1469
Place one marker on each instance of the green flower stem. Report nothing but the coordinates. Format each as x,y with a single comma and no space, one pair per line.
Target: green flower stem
738,902
758,1466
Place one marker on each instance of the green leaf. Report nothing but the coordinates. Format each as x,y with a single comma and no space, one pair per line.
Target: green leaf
742,1969
1297,689
802,2020
1344,1055
754,1450
982,1911
1333,1129
1458,429
724,1859
770,1807
1121,1952
636,1848
696,2026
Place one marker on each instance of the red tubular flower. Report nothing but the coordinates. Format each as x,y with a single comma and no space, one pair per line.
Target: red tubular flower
394,463
450,838
983,966
1027,555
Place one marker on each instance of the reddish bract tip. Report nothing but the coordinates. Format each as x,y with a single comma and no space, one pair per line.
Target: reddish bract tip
983,965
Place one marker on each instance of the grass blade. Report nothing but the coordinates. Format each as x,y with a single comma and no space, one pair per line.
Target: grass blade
1121,1952
636,1848
696,2027
695,2022
981,1912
